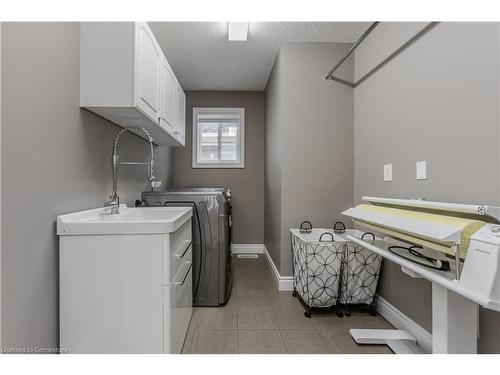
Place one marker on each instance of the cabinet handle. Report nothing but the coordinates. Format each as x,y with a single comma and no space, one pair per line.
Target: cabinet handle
164,119
181,283
184,248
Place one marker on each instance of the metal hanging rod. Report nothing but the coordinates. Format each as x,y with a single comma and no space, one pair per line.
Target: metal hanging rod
329,75
412,40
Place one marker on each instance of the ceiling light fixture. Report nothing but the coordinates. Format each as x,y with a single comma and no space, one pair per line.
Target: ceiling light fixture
237,31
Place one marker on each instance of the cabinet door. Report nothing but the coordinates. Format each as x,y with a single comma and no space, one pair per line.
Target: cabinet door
180,122
167,96
147,72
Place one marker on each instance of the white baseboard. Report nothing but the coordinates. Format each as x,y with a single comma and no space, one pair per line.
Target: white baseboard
246,248
284,283
401,321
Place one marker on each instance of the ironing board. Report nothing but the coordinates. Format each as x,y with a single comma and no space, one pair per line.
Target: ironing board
457,293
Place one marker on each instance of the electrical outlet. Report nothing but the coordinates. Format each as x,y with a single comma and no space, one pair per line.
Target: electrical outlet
388,172
421,170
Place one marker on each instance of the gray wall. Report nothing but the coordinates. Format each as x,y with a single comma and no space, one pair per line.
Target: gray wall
314,120
272,183
247,184
55,159
437,101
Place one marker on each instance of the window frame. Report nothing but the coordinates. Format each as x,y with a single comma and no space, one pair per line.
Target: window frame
240,163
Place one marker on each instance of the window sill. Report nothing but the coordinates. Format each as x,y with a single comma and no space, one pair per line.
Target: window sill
218,166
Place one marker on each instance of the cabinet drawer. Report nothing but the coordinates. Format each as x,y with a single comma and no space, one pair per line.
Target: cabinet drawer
175,248
178,307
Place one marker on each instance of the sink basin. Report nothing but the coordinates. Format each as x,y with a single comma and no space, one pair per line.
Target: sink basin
141,220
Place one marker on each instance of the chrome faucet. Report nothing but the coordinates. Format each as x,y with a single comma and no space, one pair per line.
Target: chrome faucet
114,199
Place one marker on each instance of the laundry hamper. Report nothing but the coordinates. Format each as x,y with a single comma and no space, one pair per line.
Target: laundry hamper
360,274
331,272
317,268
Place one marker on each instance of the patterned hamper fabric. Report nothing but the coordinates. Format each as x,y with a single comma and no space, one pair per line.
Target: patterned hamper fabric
333,271
360,274
317,269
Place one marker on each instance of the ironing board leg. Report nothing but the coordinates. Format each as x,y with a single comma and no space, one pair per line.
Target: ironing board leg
454,327
454,322
400,341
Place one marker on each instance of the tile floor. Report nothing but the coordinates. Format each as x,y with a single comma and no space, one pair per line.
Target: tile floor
258,319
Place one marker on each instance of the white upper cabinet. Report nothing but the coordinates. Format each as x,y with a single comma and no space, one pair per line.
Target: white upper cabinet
169,88
180,113
125,78
148,61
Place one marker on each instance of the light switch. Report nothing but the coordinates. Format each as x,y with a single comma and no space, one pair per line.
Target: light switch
421,170
388,172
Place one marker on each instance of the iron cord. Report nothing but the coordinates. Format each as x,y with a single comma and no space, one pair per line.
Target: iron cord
437,264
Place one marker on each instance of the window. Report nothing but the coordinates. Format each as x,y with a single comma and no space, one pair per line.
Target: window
218,137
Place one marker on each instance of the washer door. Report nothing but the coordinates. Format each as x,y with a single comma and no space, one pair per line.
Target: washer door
205,267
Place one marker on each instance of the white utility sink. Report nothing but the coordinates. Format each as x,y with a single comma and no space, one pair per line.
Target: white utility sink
142,220
125,280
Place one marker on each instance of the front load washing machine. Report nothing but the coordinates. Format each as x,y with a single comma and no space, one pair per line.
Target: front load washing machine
211,224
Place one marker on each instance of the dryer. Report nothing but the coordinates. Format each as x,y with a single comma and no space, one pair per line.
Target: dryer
211,226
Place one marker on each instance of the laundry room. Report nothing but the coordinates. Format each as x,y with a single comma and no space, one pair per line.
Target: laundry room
232,186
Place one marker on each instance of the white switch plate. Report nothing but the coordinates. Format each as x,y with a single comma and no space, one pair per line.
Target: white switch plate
388,172
421,170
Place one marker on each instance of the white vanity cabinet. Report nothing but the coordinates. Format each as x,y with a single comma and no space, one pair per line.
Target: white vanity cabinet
177,289
125,284
178,302
125,78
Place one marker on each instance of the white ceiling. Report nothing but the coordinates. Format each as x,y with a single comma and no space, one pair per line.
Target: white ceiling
203,59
